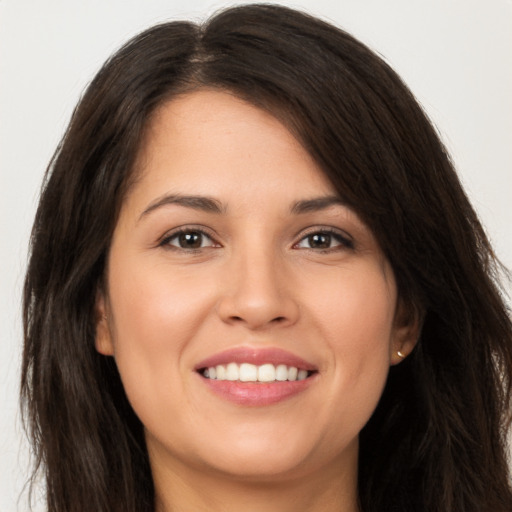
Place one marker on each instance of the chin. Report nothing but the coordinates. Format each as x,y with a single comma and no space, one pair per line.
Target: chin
261,467
265,459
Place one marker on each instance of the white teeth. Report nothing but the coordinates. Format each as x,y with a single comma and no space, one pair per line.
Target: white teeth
221,372
267,373
247,372
292,373
302,374
282,372
232,372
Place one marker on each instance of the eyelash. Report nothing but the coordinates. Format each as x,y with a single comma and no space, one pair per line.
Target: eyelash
166,241
344,241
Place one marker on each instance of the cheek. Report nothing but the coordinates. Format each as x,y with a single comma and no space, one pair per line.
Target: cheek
356,311
355,315
155,316
156,305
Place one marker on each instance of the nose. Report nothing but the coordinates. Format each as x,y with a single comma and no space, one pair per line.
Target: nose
258,292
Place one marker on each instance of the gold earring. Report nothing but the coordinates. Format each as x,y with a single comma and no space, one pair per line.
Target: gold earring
400,354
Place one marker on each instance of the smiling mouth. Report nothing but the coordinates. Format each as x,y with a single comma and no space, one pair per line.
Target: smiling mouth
247,372
256,376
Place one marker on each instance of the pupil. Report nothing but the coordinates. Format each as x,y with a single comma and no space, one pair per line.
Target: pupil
320,241
190,240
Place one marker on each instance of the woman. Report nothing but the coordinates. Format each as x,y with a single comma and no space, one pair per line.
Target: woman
256,281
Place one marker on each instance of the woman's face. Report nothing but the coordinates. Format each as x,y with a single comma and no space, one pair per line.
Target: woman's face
233,252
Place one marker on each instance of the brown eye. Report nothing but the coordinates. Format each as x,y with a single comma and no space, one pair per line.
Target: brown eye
325,240
189,240
192,240
319,241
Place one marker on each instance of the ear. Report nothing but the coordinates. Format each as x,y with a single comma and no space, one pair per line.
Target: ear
103,338
407,328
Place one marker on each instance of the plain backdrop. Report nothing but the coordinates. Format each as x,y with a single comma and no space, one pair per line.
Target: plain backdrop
456,56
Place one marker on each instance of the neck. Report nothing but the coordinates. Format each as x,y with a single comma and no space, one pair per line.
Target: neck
181,489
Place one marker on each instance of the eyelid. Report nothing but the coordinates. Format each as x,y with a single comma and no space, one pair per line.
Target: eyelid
187,228
342,236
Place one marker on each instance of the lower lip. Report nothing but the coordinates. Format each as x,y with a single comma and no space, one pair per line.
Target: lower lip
255,393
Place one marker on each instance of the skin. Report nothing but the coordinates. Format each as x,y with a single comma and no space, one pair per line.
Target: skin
257,281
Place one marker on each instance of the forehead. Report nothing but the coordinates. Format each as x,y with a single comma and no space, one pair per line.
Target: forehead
213,142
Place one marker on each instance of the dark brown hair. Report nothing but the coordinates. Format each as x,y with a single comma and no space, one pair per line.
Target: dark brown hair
437,441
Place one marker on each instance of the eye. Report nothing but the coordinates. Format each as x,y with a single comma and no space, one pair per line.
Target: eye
188,239
324,240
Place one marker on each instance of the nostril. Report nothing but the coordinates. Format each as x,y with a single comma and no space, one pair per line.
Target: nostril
275,321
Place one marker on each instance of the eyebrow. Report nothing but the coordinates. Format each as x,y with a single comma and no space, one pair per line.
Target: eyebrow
201,203
316,204
212,205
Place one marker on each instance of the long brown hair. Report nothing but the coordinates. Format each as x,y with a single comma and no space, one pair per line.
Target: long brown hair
437,441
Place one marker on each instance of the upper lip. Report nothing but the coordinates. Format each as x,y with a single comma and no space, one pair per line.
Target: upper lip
256,356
